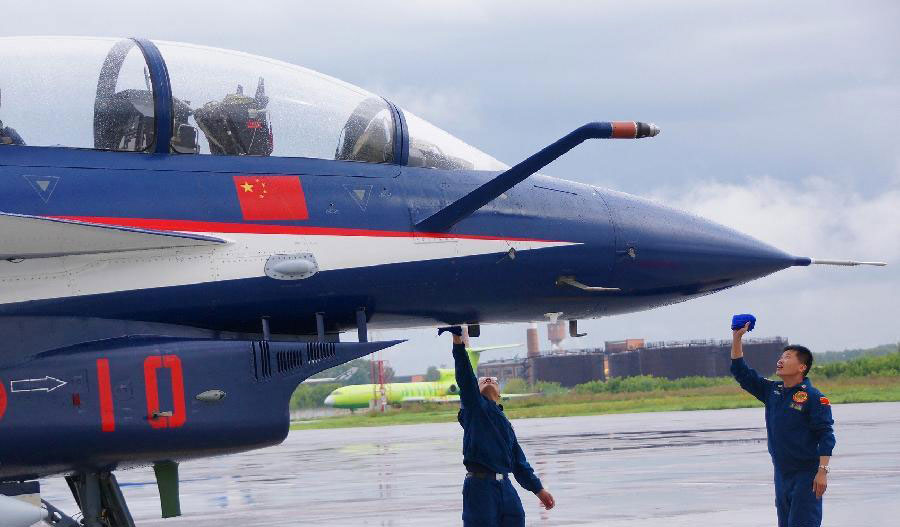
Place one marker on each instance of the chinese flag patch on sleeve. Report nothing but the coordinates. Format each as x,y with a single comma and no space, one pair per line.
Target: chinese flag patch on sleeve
271,197
824,401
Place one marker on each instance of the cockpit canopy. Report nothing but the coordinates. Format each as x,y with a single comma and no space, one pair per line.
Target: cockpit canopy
108,94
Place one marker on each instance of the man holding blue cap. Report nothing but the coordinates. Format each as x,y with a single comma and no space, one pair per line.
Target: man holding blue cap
490,451
798,426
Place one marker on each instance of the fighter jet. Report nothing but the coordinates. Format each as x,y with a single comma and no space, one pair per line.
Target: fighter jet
186,232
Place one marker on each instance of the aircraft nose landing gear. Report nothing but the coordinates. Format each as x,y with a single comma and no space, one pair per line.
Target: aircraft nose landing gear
100,500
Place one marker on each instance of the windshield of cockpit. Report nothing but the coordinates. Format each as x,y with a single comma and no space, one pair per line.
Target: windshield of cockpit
431,147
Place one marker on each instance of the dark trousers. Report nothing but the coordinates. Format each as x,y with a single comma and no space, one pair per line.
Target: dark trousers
491,503
795,500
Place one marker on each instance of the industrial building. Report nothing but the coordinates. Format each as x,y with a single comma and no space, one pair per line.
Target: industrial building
672,360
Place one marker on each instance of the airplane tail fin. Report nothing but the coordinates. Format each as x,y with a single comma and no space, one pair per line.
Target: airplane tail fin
475,353
474,357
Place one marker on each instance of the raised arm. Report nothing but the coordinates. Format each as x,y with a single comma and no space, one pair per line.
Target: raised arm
469,396
747,377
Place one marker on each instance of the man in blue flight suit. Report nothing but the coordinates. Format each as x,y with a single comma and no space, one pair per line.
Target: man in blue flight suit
799,430
490,451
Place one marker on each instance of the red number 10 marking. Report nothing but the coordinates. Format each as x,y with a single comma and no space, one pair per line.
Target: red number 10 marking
2,399
173,419
173,363
107,414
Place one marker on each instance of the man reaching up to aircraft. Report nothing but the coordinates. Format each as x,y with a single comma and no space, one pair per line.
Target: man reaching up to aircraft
798,425
490,450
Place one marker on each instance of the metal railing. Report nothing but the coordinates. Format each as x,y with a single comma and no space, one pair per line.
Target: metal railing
659,344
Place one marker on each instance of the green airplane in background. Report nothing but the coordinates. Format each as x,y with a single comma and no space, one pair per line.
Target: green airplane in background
443,390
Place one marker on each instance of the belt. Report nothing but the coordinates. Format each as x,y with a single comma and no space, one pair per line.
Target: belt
487,475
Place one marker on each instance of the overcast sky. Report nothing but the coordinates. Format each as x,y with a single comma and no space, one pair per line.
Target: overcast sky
778,118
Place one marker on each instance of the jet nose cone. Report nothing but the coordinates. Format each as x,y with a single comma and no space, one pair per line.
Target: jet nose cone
673,253
329,401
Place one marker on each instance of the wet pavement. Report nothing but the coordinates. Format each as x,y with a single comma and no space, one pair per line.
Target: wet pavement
654,469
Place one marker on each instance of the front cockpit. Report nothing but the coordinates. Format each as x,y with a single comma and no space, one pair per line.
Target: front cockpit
135,95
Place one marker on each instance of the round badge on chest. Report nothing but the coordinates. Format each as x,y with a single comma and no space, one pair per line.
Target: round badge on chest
800,397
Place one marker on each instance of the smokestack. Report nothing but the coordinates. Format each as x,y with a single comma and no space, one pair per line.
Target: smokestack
556,332
531,338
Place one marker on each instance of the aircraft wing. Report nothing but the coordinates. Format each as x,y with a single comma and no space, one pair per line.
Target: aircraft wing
505,396
455,398
440,399
23,236
320,380
490,348
340,378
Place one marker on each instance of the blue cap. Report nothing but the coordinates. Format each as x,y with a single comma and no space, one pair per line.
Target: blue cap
738,321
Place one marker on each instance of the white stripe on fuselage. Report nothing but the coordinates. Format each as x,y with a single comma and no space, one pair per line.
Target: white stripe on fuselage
244,257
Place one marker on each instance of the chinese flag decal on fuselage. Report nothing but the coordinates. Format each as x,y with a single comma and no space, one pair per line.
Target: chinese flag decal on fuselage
271,197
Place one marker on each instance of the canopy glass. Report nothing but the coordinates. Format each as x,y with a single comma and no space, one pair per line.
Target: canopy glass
99,93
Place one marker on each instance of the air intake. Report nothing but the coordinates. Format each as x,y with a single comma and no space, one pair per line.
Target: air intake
289,360
319,351
262,360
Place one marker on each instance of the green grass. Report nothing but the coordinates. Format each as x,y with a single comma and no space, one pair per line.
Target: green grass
884,365
718,395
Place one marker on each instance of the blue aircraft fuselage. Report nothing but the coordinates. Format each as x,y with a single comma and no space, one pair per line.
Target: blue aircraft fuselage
122,351
654,254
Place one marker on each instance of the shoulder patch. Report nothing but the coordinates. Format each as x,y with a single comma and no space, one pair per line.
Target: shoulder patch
824,401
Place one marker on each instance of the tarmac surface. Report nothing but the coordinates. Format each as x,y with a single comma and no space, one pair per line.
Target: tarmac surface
652,469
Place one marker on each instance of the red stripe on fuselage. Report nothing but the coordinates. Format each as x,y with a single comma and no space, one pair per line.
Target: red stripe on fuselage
250,228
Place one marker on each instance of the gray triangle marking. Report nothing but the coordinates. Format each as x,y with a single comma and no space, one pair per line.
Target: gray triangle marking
360,194
43,185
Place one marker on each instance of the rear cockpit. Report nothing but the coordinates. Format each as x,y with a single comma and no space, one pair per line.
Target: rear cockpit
134,95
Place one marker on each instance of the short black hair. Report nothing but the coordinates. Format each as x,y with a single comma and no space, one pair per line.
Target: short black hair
803,354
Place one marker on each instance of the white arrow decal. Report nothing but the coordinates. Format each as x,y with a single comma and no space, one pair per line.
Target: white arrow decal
47,384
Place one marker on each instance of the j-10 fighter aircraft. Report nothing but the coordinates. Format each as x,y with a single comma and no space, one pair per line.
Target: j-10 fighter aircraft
186,231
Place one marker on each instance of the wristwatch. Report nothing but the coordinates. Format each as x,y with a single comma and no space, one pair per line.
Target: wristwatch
825,468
